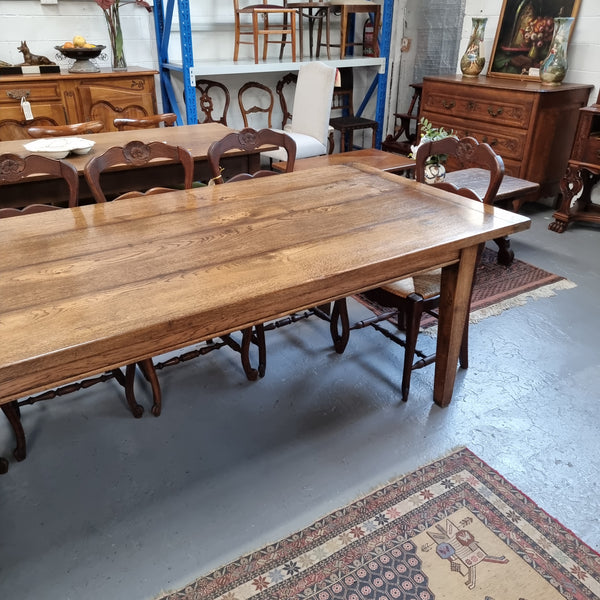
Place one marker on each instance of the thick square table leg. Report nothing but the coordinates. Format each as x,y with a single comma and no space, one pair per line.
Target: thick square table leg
455,295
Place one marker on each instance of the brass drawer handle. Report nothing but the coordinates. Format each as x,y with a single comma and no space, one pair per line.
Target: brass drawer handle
17,94
448,105
495,113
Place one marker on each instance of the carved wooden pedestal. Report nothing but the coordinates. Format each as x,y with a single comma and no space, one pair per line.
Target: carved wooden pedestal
582,174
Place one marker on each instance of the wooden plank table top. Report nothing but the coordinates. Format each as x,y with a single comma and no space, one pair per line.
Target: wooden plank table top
379,159
91,288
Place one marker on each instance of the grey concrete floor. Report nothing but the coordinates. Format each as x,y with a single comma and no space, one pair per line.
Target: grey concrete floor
106,506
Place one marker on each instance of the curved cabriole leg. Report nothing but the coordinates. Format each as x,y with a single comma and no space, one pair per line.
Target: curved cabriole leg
339,314
147,368
13,414
254,335
135,408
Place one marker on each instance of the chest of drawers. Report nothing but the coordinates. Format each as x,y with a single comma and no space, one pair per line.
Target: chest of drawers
530,125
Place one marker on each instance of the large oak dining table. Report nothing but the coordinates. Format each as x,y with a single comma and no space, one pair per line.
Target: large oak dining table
194,138
88,289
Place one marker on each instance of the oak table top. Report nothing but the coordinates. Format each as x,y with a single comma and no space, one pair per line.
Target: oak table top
380,159
91,288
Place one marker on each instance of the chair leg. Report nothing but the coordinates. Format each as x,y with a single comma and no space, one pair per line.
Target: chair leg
236,46
13,414
255,35
339,314
127,382
413,312
254,334
147,368
283,36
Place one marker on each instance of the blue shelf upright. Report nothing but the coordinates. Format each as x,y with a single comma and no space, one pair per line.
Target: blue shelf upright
163,20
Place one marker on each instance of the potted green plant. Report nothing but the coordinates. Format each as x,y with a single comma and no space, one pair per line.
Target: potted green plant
435,171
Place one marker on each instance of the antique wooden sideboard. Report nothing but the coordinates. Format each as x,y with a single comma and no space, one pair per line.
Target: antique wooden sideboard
76,97
530,125
582,174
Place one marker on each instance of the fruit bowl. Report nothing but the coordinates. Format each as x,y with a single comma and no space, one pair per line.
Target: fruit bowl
82,58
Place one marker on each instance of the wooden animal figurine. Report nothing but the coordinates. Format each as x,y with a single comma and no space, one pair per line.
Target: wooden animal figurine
32,59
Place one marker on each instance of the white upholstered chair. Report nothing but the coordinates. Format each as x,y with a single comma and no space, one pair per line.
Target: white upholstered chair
310,114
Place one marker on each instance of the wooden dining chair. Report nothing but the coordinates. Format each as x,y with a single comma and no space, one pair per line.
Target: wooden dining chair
254,99
348,123
41,131
15,169
137,154
246,140
148,122
262,12
407,300
206,100
14,129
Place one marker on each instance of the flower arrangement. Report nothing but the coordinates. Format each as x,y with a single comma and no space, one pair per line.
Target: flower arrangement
429,133
113,21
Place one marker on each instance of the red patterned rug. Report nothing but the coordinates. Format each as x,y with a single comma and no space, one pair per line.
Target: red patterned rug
453,530
498,288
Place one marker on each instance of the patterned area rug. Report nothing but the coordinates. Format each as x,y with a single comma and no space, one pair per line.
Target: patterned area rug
453,530
498,288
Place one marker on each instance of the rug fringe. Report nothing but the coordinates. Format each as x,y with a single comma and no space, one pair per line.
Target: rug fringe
494,310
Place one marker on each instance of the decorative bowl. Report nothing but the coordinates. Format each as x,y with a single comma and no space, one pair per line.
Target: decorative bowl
81,53
82,57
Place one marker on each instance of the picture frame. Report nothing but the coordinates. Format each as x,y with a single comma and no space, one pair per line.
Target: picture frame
514,53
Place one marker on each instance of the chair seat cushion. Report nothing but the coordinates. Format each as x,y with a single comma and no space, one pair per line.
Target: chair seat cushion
306,146
425,285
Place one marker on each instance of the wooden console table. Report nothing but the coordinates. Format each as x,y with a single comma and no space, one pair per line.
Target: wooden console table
532,126
76,97
582,174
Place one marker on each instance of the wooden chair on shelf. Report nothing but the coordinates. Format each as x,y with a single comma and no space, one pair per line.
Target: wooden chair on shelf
347,9
249,139
149,122
405,133
41,131
138,154
206,100
256,98
409,299
262,12
309,126
13,129
13,170
315,13
348,122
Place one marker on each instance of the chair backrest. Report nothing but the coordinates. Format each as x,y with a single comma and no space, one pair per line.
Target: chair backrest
263,98
246,140
40,131
463,153
206,100
312,100
136,154
12,129
14,169
286,80
149,122
343,94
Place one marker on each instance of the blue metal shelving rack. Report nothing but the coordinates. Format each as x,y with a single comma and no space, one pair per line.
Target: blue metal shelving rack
163,18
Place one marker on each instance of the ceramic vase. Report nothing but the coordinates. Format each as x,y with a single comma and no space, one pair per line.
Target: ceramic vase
554,67
434,173
473,60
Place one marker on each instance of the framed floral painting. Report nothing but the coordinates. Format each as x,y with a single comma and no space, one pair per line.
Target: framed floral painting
524,35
